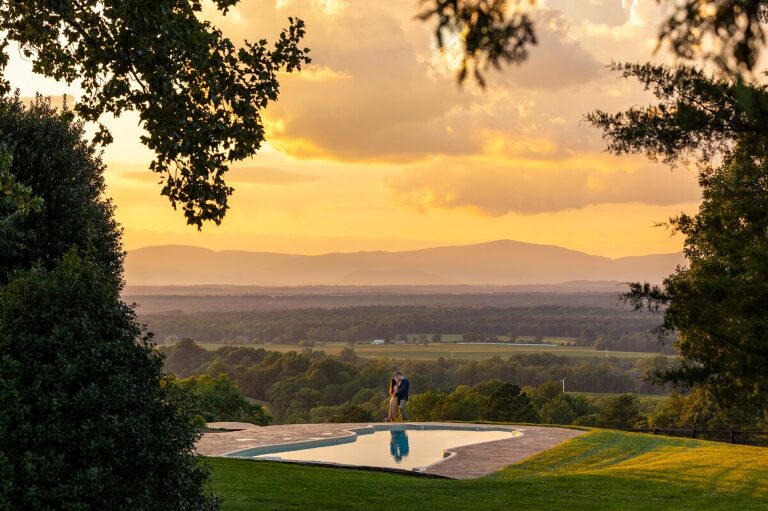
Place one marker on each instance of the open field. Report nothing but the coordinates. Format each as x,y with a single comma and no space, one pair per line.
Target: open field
446,350
193,299
620,471
453,338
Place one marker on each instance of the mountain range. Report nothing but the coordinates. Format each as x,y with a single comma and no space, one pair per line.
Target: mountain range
495,263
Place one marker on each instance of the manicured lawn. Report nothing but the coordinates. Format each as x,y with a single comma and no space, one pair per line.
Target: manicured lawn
447,350
599,471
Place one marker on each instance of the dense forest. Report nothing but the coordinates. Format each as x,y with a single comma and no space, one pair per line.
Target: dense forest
620,328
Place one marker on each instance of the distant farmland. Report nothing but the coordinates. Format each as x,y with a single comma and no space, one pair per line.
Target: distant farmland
446,350
621,329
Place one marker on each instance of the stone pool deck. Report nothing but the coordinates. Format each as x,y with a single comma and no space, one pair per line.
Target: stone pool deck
469,462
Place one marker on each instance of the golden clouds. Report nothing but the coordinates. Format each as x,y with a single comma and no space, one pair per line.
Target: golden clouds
382,95
376,132
501,144
496,187
384,103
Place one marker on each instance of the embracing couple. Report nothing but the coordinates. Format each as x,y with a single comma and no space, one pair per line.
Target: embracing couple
398,397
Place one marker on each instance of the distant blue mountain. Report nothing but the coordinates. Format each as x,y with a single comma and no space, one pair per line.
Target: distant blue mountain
502,262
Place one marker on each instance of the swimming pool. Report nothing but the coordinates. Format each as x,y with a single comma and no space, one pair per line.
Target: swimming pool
403,446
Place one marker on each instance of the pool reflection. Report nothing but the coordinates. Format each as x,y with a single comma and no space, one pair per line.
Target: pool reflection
398,445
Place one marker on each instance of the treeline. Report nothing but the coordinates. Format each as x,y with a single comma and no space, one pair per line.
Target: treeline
621,329
497,401
258,386
219,399
547,404
309,386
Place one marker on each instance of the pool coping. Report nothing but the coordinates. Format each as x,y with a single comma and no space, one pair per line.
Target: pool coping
341,466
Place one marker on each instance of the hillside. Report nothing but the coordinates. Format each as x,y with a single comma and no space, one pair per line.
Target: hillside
496,263
620,471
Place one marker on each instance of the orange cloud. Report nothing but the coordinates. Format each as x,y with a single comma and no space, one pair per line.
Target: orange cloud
524,186
373,92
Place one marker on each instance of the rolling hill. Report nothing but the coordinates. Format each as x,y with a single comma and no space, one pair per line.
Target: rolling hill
496,263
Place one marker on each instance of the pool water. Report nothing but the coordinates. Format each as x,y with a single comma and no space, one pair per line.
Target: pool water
393,447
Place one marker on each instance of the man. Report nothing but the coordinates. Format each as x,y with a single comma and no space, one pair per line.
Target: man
402,393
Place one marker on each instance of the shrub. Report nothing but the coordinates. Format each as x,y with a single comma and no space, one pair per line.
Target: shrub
350,413
218,399
620,412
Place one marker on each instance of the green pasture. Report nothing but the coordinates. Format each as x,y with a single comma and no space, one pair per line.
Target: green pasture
454,338
433,351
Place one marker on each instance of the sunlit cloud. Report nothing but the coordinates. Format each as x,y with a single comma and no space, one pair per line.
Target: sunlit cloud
523,186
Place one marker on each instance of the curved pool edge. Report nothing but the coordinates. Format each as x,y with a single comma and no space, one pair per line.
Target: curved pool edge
343,466
353,433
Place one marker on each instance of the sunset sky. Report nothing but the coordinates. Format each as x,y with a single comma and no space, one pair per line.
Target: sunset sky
375,147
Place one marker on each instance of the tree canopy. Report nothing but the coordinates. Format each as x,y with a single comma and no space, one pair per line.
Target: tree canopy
620,412
728,33
219,399
697,116
507,403
198,96
489,35
718,302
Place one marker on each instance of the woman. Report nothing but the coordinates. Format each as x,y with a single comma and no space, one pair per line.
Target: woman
394,386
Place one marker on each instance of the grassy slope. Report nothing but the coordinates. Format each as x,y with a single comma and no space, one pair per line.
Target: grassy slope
599,471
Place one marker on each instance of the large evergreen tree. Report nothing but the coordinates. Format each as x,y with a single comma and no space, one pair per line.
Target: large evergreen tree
50,159
717,303
86,420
